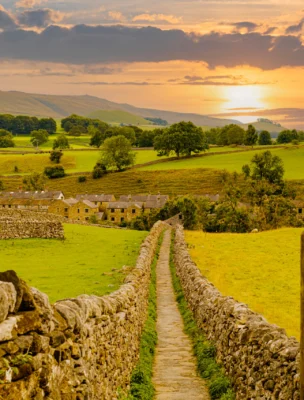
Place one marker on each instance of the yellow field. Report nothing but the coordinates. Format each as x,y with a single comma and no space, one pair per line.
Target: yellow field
261,270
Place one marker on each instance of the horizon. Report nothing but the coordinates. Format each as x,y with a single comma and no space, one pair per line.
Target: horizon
206,57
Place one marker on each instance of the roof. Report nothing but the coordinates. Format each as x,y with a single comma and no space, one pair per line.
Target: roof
155,204
70,202
96,197
124,204
89,203
33,195
24,201
144,198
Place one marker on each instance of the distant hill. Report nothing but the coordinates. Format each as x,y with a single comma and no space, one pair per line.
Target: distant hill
118,117
269,126
41,105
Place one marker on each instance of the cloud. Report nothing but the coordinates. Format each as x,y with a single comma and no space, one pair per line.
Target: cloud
249,26
115,16
295,28
130,83
29,3
270,30
7,21
84,44
170,19
39,18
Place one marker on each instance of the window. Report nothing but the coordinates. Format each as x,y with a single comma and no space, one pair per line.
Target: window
87,218
122,210
133,211
300,210
122,219
9,206
112,210
66,210
86,210
78,210
180,216
113,219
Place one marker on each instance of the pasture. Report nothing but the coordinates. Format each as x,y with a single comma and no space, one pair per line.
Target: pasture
293,158
81,264
261,270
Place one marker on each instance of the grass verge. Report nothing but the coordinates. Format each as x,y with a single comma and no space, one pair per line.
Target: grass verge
219,385
141,381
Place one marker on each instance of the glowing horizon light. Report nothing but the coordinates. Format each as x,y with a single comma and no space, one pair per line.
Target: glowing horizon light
242,97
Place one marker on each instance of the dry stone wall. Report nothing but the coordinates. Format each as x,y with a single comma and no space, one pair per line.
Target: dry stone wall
18,224
260,359
77,349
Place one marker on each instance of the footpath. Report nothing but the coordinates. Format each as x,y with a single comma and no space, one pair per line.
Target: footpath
174,374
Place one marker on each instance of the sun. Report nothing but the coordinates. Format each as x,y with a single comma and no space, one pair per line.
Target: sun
243,97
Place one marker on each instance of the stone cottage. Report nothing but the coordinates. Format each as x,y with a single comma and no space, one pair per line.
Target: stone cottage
123,211
101,200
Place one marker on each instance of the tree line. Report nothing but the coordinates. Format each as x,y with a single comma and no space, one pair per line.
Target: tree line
24,125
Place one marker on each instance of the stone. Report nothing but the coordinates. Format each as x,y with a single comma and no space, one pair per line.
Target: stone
8,297
8,329
27,322
56,338
24,343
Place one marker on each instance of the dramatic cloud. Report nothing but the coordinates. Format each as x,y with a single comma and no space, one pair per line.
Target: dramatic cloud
296,28
170,19
6,20
114,44
39,18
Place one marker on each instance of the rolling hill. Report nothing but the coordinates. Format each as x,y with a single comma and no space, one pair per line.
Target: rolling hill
118,117
42,105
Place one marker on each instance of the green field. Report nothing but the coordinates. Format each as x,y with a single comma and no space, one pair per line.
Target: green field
261,270
75,266
118,117
293,158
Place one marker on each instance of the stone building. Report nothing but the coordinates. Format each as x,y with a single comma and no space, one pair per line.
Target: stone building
300,208
160,199
37,195
73,209
10,203
123,211
101,200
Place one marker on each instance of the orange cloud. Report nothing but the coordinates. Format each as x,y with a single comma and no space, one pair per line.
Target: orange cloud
171,19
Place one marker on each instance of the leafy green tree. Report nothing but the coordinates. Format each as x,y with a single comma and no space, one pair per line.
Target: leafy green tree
56,156
97,137
77,130
48,124
251,136
99,170
265,138
23,124
34,182
265,166
61,142
6,139
287,136
116,152
235,134
39,137
6,122
212,135
54,172
183,138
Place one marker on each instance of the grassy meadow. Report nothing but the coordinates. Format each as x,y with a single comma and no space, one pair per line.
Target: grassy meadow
261,270
293,158
81,264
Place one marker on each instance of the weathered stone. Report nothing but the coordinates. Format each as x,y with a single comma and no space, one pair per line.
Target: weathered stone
56,338
8,329
27,322
8,298
24,343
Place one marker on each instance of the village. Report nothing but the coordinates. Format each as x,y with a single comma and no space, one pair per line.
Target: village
84,207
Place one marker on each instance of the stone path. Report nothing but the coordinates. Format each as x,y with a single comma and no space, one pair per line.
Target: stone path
174,374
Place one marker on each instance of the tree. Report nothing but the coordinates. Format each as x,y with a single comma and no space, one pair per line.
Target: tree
54,172
48,124
251,136
23,124
235,134
77,130
39,137
61,142
287,136
34,182
55,156
99,170
6,139
265,138
117,153
6,121
266,166
97,137
183,138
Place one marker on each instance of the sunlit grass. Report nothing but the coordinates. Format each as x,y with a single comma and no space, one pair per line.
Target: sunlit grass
75,266
262,270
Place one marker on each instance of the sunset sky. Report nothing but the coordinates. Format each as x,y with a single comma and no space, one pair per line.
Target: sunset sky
242,59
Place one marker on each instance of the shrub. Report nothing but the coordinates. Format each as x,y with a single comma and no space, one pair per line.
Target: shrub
54,172
56,156
82,179
99,170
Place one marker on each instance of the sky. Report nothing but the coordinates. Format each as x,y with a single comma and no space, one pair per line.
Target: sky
240,59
